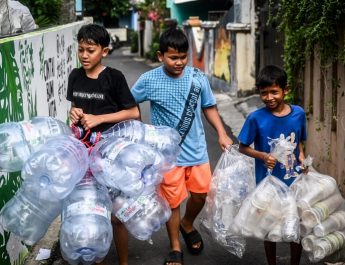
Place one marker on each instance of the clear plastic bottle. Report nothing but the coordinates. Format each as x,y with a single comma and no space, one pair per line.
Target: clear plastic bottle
29,216
19,139
142,215
86,231
163,138
57,166
124,165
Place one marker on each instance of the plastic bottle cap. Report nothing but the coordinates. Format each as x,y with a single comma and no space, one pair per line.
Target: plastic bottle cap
44,181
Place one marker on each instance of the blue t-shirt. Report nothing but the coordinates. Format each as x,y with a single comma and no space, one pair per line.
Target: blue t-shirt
261,125
173,102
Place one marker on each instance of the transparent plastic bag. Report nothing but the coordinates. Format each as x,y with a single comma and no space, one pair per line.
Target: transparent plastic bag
321,208
269,213
283,150
232,179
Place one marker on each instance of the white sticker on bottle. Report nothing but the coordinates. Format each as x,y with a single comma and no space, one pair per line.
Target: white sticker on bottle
117,149
86,208
126,213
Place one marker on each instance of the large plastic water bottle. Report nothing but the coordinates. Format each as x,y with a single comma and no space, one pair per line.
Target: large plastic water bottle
19,139
57,166
163,138
86,232
27,215
142,215
124,165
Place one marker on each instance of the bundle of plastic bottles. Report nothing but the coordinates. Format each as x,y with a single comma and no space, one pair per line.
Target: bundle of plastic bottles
162,138
48,169
232,180
59,178
322,211
131,158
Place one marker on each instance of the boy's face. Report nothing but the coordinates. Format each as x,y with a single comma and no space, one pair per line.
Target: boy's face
174,61
273,96
90,54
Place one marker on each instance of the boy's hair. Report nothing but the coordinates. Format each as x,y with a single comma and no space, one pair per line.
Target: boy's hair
94,34
271,75
173,38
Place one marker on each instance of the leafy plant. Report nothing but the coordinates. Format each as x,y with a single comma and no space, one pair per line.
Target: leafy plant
134,41
307,25
45,13
111,9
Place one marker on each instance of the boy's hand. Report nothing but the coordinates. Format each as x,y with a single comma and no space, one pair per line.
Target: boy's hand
225,142
75,114
269,160
89,121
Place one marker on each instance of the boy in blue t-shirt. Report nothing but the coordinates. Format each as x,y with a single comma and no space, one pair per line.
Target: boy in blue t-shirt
269,122
178,94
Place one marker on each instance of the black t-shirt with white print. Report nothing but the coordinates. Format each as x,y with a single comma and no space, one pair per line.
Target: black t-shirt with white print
108,93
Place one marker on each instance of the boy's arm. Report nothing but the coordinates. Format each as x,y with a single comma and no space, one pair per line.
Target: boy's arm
301,153
89,120
212,116
269,160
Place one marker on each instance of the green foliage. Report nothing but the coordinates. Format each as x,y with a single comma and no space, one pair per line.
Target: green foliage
45,13
307,24
154,47
152,54
155,11
134,41
100,9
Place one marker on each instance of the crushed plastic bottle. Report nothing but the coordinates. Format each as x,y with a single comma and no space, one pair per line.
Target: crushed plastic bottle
163,138
124,165
57,167
142,215
27,215
19,139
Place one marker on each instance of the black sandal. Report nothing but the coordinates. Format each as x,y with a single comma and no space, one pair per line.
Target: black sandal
191,239
174,256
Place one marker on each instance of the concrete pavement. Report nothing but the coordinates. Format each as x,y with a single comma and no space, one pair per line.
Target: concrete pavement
233,113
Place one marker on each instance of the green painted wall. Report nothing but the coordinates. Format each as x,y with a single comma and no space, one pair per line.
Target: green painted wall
33,82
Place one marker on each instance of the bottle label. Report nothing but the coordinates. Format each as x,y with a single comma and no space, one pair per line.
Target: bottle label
30,133
153,138
54,127
134,206
117,149
86,208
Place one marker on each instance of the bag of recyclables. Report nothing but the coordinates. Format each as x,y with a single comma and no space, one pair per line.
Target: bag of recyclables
232,180
269,213
322,211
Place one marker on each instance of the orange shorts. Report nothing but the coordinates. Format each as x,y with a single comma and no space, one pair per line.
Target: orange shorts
181,179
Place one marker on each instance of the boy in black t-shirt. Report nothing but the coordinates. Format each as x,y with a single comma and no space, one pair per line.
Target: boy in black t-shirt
100,98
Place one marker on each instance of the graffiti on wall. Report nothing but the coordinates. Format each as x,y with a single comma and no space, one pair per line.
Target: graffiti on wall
222,54
34,71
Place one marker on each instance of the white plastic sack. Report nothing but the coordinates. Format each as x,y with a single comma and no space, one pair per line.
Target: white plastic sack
15,18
